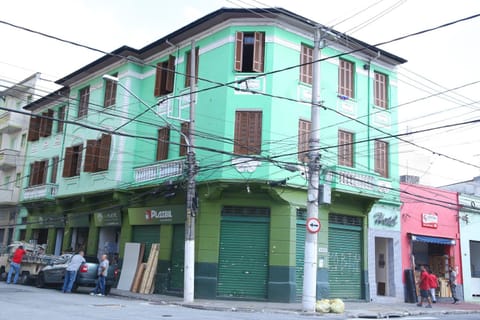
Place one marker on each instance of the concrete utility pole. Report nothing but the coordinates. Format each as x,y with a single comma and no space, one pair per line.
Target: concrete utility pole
310,260
189,264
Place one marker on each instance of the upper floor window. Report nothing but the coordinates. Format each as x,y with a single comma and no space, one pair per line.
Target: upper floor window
306,62
97,155
183,143
84,101
304,128
381,158
249,51
40,126
188,76
248,132
380,90
53,177
345,148
61,118
345,79
165,76
73,161
110,92
163,143
38,173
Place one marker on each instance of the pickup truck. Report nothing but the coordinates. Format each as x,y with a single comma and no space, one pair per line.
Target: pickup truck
54,274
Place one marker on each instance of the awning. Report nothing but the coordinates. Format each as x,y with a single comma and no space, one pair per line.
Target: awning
436,240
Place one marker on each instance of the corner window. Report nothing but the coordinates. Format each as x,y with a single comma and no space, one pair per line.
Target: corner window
165,77
110,92
249,51
248,132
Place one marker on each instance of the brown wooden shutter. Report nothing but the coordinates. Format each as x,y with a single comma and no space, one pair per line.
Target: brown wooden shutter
67,163
158,80
258,51
53,178
49,123
187,71
255,134
241,129
104,152
248,132
303,137
170,77
43,169
90,156
183,142
238,51
32,177
34,129
61,117
163,143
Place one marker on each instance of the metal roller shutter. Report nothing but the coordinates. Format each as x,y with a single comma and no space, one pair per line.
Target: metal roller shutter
345,257
243,256
177,262
300,253
147,235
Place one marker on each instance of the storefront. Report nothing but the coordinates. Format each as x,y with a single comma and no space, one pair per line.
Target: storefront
77,232
109,225
430,234
44,229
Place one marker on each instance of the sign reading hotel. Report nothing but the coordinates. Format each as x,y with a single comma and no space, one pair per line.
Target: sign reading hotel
430,220
157,215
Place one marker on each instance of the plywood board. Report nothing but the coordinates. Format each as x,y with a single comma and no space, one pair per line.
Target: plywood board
138,277
129,266
147,281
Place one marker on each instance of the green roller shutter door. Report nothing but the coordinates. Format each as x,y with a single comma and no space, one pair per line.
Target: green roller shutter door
178,254
146,235
243,257
300,253
345,261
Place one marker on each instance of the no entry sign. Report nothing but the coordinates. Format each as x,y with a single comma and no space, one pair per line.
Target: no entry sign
313,225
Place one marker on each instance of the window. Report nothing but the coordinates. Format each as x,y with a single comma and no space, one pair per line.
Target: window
380,91
475,259
306,69
23,142
38,173
46,123
110,92
72,161
83,102
61,118
304,128
53,178
345,148
34,128
248,132
345,79
183,142
163,143
381,158
165,77
249,51
18,180
97,155
7,182
187,70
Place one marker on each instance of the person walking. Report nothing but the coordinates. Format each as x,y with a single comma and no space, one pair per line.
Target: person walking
102,276
433,286
71,271
452,280
424,285
15,264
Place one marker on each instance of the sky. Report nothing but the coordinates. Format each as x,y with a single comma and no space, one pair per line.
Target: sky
438,86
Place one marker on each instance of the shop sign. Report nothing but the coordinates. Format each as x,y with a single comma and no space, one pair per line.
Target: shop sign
108,219
381,219
157,215
430,220
46,222
78,220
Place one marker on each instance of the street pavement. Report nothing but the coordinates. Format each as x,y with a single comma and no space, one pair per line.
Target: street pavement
370,310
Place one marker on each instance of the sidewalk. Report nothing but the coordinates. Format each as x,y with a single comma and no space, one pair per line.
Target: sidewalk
369,310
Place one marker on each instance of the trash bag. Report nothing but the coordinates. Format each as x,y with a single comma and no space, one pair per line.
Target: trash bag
322,306
337,306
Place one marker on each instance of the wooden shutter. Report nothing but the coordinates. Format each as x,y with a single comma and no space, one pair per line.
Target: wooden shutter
34,129
110,92
90,156
61,117
33,178
345,148
306,59
53,178
183,143
187,71
258,51
380,90
163,143
104,152
345,79
248,132
158,80
49,123
42,172
67,163
381,158
238,51
304,128
170,77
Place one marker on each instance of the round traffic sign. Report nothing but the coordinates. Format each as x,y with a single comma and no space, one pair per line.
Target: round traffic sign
313,225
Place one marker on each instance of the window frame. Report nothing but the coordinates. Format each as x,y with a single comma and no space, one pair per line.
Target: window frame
53,175
72,162
38,173
306,64
346,78
110,95
97,154
164,77
380,90
83,101
258,54
345,148
248,132
163,143
304,130
381,158
61,119
187,66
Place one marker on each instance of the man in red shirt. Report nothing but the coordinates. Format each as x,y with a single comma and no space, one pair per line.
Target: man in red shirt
424,285
433,285
15,264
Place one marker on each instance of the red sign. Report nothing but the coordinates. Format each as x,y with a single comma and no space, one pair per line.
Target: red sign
313,225
430,220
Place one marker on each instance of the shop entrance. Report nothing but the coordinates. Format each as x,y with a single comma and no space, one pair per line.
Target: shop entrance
384,266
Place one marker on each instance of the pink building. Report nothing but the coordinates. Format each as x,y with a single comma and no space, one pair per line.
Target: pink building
430,232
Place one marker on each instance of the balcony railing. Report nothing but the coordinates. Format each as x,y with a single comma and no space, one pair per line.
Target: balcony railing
159,171
45,191
8,158
10,122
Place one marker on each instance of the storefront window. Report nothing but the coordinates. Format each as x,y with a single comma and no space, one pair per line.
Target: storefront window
475,258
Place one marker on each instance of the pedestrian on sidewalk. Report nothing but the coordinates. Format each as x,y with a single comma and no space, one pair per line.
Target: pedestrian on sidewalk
433,285
424,285
15,264
71,271
102,276
452,280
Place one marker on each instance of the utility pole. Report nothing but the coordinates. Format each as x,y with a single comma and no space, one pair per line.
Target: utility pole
189,264
310,261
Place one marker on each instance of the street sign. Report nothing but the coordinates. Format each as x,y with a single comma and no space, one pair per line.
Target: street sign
313,225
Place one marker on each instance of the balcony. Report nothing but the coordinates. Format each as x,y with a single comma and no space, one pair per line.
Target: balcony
8,159
159,171
6,197
42,192
11,122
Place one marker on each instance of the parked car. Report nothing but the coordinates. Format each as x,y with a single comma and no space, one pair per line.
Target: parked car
54,274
